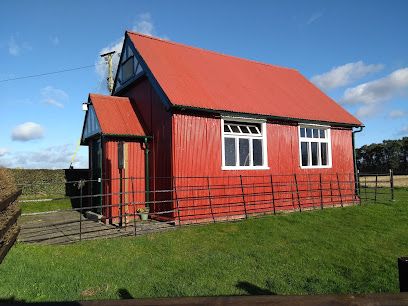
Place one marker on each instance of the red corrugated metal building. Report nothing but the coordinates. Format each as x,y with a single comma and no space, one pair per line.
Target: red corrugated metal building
192,117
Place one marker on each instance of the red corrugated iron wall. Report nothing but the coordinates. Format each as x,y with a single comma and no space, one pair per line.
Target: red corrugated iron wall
133,184
157,123
197,162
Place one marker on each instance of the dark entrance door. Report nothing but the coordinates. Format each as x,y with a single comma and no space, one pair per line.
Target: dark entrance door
96,158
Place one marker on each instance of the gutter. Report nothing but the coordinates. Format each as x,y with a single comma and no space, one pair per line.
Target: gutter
215,112
356,175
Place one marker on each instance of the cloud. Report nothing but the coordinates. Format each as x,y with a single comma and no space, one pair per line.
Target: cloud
403,130
143,24
15,47
3,151
53,157
315,16
384,89
55,40
397,113
344,75
370,96
54,96
27,131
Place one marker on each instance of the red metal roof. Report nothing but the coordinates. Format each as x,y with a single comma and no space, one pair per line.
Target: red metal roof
205,79
116,115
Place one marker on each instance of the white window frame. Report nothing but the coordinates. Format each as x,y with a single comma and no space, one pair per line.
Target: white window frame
263,137
319,141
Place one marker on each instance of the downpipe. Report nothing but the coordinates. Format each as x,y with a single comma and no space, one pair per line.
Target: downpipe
356,175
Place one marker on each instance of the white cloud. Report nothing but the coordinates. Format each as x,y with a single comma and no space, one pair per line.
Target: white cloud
367,111
397,113
3,151
54,96
344,75
27,131
315,16
54,157
384,89
55,40
15,47
370,96
403,130
143,24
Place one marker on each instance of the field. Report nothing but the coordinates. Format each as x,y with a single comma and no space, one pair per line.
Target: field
384,181
340,250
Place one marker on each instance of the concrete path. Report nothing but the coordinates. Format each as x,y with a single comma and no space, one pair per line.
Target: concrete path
65,226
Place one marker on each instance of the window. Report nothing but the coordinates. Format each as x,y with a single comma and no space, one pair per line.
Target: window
314,145
243,145
127,69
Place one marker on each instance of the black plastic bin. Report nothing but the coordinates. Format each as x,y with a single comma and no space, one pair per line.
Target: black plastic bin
403,273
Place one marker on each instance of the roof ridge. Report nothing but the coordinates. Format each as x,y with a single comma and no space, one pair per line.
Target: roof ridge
210,51
108,97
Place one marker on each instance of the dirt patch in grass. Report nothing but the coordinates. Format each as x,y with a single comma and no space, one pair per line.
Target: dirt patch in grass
7,183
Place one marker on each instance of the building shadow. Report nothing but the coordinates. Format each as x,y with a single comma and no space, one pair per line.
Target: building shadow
252,289
124,294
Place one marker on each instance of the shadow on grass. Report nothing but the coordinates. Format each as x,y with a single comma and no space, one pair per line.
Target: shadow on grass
124,294
252,289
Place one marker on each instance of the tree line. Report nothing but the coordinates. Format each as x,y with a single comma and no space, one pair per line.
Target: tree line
380,157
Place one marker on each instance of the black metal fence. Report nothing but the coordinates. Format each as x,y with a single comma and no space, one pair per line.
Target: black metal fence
183,200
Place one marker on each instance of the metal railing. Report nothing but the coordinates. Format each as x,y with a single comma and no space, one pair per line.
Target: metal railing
186,200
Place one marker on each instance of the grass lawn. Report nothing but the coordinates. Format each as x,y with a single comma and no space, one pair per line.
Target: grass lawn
340,250
42,206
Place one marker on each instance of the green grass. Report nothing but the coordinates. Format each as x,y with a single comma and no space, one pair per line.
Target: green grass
42,206
340,250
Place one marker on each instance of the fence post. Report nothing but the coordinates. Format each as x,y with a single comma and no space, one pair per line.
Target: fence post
80,211
331,190
321,191
338,186
134,204
365,187
375,189
358,185
273,196
243,197
392,184
352,192
177,201
297,192
209,198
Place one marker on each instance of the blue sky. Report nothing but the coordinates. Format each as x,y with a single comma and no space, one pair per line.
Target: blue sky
355,51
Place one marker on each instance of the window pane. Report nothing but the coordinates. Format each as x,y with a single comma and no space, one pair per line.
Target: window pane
309,133
323,152
243,152
322,133
235,129
302,132
127,69
229,146
244,129
254,130
226,129
257,152
315,160
315,133
305,154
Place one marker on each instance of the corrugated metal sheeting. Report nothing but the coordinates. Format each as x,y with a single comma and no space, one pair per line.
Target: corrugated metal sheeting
204,79
158,124
197,162
133,186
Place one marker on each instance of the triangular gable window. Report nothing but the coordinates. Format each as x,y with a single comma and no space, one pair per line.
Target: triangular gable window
92,126
129,68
